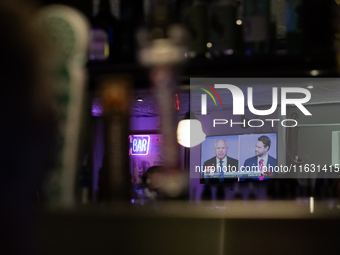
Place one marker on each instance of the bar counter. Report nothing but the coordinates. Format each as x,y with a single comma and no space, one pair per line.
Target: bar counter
226,227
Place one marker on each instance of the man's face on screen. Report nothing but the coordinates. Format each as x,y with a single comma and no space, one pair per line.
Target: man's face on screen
260,149
221,149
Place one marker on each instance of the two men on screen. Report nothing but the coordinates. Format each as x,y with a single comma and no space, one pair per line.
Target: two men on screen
262,160
221,162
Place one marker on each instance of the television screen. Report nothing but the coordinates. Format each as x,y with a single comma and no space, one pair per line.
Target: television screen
238,156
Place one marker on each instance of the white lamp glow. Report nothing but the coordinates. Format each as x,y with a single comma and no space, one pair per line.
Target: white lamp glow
190,133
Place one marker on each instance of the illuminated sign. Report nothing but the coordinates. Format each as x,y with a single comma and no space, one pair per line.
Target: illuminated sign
139,144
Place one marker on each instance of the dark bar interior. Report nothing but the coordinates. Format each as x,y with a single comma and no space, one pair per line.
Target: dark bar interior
170,127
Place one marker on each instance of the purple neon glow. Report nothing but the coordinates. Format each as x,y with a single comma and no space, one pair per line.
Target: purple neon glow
97,109
131,137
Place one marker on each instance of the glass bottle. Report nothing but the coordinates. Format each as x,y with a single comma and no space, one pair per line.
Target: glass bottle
256,23
196,21
105,35
131,18
223,28
293,26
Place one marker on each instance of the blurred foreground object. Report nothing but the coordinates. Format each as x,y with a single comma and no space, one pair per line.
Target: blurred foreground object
28,121
68,30
115,179
161,43
189,131
162,48
293,20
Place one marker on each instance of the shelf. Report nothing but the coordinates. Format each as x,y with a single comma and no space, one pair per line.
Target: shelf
264,66
231,66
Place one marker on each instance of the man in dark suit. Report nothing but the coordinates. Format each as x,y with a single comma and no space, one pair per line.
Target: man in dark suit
262,160
221,162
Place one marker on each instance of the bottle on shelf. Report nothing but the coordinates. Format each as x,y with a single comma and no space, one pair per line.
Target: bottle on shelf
69,41
115,178
162,49
195,19
293,26
317,31
224,36
256,27
131,18
105,35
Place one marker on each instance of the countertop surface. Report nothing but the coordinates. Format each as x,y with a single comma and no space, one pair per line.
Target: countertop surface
297,209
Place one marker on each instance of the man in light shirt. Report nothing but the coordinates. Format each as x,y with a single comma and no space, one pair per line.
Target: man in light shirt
262,160
221,162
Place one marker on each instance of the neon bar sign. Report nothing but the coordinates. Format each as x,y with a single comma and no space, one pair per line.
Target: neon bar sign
139,144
